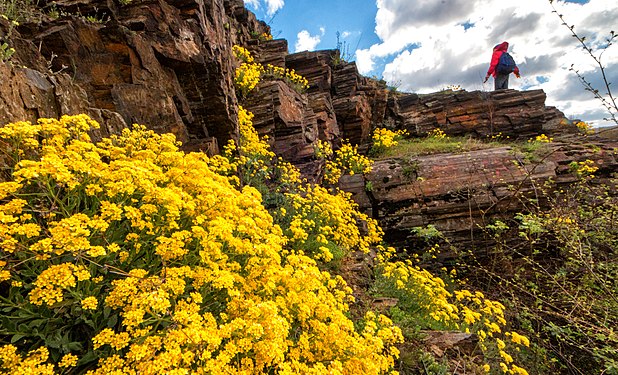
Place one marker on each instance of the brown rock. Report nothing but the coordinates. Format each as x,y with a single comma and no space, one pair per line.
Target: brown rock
271,52
359,102
517,114
441,342
286,118
458,192
28,94
315,67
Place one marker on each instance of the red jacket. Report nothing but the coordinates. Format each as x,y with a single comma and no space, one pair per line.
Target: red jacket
495,58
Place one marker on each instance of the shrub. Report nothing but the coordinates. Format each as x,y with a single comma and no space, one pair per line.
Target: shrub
345,160
425,301
561,278
188,272
384,138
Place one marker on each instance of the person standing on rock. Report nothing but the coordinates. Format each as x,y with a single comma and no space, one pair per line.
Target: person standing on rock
501,66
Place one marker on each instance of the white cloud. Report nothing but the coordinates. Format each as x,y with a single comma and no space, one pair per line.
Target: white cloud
430,44
306,41
272,6
253,3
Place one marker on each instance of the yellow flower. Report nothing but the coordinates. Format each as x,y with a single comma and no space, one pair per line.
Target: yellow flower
543,139
384,138
518,370
504,367
520,339
90,303
438,134
69,360
5,275
242,54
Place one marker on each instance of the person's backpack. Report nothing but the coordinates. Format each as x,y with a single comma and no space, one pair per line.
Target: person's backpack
506,64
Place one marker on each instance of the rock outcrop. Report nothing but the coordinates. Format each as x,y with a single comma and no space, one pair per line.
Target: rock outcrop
517,114
286,118
458,193
164,64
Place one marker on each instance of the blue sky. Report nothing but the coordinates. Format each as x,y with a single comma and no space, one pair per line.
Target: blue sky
426,45
356,17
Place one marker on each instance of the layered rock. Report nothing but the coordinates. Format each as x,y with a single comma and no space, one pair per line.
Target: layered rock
28,94
457,193
167,65
286,118
517,114
316,67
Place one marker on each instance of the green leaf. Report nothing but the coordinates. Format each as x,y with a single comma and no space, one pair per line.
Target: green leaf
74,346
16,337
112,321
89,357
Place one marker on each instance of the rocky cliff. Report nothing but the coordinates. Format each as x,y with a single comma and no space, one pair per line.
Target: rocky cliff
169,65
165,64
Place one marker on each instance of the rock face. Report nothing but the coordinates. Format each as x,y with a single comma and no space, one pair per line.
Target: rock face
517,114
458,192
164,64
286,118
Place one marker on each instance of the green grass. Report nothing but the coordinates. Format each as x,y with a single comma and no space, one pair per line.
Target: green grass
17,10
434,145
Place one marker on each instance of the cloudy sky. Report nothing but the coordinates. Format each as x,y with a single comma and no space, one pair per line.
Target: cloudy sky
424,46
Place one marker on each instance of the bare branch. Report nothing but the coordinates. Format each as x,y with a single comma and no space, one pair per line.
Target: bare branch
607,100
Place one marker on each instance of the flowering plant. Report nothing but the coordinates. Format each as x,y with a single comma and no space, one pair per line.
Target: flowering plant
129,256
384,138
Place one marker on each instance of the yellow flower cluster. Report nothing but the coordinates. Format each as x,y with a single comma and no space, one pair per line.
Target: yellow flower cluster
288,174
247,76
319,219
584,127
289,75
437,133
249,73
498,137
90,303
69,360
242,54
192,273
346,160
461,309
585,168
11,362
384,138
49,285
542,139
323,150
252,158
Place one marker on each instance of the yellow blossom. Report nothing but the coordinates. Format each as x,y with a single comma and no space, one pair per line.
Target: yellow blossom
89,303
69,360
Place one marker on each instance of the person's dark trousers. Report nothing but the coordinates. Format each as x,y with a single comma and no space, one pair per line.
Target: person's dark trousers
501,81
